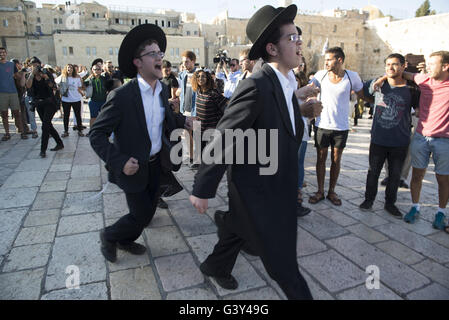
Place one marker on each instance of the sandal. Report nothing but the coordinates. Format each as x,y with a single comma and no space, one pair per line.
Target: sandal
80,133
333,197
317,197
65,134
6,137
23,136
299,196
34,135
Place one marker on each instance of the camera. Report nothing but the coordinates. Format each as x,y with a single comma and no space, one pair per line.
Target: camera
42,70
222,56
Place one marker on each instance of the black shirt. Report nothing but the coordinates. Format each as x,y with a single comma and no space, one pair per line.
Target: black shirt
170,82
41,89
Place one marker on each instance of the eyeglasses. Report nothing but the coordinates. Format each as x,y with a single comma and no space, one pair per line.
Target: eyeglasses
97,69
153,54
232,65
294,37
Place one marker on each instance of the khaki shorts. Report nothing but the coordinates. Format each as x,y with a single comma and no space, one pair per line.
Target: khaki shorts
9,100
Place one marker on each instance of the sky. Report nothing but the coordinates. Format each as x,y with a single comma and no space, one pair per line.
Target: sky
207,9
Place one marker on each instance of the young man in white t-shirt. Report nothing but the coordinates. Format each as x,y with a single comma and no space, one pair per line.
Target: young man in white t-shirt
336,85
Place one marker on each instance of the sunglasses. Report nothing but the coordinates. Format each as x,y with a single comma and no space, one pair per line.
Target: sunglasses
232,64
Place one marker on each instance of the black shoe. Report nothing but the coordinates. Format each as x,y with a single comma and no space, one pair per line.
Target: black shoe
133,248
366,205
384,182
393,210
59,146
42,154
162,204
226,282
219,221
403,184
302,211
75,128
108,248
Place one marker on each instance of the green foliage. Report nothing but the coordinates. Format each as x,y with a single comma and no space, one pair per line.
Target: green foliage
424,10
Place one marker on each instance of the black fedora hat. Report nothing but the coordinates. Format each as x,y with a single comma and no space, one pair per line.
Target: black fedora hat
132,40
263,22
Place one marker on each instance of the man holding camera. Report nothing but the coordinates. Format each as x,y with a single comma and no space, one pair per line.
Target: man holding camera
231,79
42,84
8,94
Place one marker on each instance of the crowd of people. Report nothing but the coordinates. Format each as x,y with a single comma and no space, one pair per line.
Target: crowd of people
266,87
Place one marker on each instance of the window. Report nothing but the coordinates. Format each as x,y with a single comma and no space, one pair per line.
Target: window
146,20
117,21
162,23
97,15
111,51
93,15
5,23
195,33
60,20
140,22
342,46
88,51
64,51
155,22
55,21
188,33
116,51
172,52
356,47
335,28
216,33
168,24
197,52
38,20
132,21
38,29
71,51
94,51
177,52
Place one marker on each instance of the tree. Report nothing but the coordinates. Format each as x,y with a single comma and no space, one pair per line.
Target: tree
424,10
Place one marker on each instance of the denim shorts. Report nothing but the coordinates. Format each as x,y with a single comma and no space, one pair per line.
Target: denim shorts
422,147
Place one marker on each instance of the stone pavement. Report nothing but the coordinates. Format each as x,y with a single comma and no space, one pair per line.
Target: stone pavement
51,214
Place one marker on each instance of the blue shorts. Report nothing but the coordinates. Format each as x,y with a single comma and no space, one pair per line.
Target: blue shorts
94,107
422,147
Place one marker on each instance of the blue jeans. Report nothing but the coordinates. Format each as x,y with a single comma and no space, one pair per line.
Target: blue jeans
31,114
301,157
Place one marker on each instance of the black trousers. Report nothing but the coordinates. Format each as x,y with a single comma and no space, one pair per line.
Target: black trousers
46,111
377,156
142,206
77,109
224,256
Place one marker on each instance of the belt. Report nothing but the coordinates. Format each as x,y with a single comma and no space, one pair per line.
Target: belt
153,158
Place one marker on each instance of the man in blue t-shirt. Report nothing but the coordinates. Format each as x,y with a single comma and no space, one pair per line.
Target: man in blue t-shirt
8,94
390,133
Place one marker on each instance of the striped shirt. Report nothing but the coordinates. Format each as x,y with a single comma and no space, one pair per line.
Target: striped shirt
209,108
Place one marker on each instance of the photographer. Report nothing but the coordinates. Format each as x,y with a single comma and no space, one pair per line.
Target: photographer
232,77
42,84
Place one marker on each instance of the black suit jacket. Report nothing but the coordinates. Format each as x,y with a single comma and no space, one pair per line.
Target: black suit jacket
262,207
123,114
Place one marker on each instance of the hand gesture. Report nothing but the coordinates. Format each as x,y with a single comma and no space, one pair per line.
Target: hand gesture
131,167
311,108
378,84
200,204
189,122
308,91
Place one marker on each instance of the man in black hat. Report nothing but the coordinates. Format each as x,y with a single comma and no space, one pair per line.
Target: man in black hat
262,207
139,115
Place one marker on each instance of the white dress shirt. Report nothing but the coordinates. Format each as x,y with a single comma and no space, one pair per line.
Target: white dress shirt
289,85
154,112
231,83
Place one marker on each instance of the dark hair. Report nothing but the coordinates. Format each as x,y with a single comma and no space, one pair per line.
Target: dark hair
398,56
189,54
166,64
16,61
96,62
273,38
35,60
236,61
312,73
141,47
209,82
443,54
3,48
338,52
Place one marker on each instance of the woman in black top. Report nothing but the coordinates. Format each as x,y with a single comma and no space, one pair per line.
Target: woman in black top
41,84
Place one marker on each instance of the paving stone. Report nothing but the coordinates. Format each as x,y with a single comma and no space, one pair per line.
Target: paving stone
161,219
112,188
115,205
393,273
368,218
49,186
366,233
85,171
432,292
35,165
53,176
440,237
362,293
42,217
11,220
92,291
178,271
400,252
332,270
416,242
307,244
82,202
80,223
421,226
165,241
22,285
192,294
17,197
134,284
27,257
84,184
126,260
26,179
434,271
33,235
266,293
85,158
337,217
48,200
83,251
190,221
202,245
321,227
60,167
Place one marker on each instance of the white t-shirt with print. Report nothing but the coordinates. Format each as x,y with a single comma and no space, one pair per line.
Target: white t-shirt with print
74,95
335,98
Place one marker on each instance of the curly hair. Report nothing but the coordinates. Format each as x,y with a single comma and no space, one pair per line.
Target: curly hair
209,82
